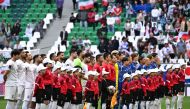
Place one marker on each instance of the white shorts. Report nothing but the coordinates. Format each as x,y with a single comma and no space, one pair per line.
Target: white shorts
10,92
28,94
20,93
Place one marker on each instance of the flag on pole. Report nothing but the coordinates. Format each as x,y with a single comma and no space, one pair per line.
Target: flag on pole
86,4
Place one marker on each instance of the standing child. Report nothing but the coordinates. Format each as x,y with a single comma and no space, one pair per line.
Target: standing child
90,90
76,99
56,85
181,86
63,89
39,86
125,93
169,85
68,78
104,90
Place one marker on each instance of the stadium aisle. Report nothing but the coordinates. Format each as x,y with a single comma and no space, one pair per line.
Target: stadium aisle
55,28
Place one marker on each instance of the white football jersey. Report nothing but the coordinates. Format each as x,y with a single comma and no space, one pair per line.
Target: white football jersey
21,70
13,75
29,75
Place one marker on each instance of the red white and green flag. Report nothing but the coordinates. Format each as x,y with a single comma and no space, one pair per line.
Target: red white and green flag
86,4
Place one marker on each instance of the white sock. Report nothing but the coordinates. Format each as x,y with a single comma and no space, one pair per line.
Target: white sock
173,102
59,107
151,105
180,101
136,105
18,104
44,106
10,105
103,105
167,103
147,104
142,104
38,106
159,103
25,105
124,107
50,105
54,105
66,105
130,106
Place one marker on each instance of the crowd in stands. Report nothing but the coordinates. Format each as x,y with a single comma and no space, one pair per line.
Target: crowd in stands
163,24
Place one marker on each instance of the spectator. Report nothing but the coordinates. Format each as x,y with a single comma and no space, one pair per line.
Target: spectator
127,27
8,30
91,18
2,40
72,18
16,29
152,40
161,38
129,10
118,10
80,42
181,49
28,31
59,4
83,18
166,51
86,41
74,4
2,26
102,46
17,45
102,32
110,23
124,45
155,14
110,46
115,43
137,27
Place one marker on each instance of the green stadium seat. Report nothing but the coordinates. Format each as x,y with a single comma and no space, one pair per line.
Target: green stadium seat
42,15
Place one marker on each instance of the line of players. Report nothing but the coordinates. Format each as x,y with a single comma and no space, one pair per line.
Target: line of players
42,83
149,87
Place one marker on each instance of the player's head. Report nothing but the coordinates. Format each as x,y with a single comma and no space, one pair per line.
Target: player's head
22,54
87,57
99,58
60,55
107,57
15,54
37,59
53,57
125,61
73,53
113,58
28,56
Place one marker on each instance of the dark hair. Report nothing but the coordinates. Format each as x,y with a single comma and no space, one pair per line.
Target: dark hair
98,56
72,51
35,56
134,55
125,59
106,55
15,52
87,55
59,53
42,55
79,52
51,55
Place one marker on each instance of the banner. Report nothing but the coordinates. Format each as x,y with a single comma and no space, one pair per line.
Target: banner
86,4
5,2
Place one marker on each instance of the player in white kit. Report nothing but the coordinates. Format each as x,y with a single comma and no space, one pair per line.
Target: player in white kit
29,81
21,69
10,78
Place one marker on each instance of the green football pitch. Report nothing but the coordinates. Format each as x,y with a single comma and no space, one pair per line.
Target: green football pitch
186,103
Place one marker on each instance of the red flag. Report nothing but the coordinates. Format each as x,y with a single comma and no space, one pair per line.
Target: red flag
1,1
187,70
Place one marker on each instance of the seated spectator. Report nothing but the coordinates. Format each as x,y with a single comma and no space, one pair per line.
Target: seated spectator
15,29
28,31
86,41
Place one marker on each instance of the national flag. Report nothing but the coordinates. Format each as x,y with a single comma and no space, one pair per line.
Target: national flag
86,4
184,35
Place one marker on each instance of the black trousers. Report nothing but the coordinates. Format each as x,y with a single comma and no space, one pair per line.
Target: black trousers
59,10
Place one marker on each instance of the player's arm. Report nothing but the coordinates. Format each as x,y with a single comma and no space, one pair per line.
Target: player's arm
6,72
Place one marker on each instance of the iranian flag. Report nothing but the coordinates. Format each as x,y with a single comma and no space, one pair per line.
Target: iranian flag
104,2
5,2
86,4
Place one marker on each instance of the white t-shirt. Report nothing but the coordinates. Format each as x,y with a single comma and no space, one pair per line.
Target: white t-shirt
69,62
166,51
13,75
110,20
30,75
21,70
155,13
